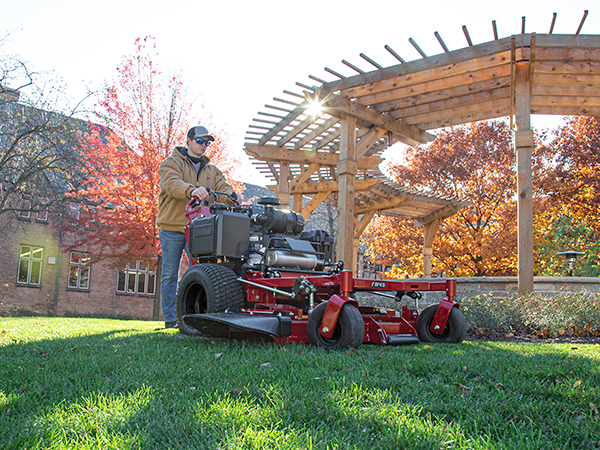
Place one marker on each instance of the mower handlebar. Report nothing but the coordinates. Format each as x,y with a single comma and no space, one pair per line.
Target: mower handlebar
233,197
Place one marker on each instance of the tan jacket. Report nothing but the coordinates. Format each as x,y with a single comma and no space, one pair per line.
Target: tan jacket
177,180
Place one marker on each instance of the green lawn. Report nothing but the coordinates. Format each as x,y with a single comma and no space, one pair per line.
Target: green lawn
92,383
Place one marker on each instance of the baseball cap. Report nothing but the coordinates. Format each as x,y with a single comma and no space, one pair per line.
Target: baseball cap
201,132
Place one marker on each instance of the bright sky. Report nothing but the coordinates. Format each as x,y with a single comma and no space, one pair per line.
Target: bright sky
237,55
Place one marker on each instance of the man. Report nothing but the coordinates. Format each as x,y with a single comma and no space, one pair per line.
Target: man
185,174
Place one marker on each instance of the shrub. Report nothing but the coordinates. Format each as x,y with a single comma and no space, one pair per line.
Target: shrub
545,314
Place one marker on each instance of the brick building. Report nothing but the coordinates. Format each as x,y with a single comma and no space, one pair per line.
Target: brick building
38,277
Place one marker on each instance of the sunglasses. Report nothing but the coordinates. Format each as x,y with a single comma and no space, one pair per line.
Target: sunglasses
202,141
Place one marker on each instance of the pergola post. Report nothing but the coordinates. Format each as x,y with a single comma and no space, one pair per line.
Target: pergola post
429,231
346,170
284,184
297,203
523,143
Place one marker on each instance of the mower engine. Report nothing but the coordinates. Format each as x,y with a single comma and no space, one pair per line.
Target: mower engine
258,237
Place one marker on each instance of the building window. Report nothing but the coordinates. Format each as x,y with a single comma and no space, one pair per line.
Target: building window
79,270
136,278
42,214
74,210
24,211
30,265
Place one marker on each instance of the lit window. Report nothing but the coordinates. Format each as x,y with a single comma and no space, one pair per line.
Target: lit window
30,265
42,214
79,270
136,278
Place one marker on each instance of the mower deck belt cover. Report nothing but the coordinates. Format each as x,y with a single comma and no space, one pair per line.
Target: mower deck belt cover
240,326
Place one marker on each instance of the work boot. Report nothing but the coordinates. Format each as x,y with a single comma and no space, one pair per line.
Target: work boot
171,324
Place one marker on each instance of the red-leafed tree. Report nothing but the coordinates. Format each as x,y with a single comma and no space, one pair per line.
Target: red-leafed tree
474,162
144,115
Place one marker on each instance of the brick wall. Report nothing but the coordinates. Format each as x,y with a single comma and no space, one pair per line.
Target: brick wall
101,299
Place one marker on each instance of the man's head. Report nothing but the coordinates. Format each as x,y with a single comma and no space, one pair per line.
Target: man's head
198,140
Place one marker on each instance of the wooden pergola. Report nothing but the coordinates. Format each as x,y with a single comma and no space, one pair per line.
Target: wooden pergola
333,156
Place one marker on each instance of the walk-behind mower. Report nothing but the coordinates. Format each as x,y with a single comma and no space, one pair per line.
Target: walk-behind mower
255,274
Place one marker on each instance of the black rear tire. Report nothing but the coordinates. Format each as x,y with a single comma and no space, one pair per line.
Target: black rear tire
349,330
454,331
207,288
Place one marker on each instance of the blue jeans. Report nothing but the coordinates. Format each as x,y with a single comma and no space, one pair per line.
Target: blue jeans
173,244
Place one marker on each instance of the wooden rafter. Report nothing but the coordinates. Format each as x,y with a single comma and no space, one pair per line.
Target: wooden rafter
312,187
385,204
273,153
314,203
406,133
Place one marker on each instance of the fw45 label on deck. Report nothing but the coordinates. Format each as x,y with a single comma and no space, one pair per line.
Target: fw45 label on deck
378,284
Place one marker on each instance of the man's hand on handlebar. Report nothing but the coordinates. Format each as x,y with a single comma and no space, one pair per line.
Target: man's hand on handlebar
200,193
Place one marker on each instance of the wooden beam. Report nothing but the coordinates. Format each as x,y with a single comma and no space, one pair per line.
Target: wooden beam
313,187
565,91
453,105
523,148
442,213
408,134
400,90
425,95
295,131
566,40
314,203
585,13
326,139
282,124
568,67
458,61
394,54
592,102
566,111
467,118
454,58
275,154
382,205
346,169
368,139
297,202
429,231
561,54
316,132
552,24
417,48
441,41
564,79
363,223
304,175
283,185
463,110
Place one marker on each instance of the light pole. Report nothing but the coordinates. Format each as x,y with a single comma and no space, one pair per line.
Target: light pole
570,256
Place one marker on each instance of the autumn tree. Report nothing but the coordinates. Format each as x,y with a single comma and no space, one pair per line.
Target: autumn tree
473,162
144,115
568,187
39,144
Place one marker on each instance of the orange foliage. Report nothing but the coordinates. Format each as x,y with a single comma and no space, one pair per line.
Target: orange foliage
145,115
574,159
475,162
